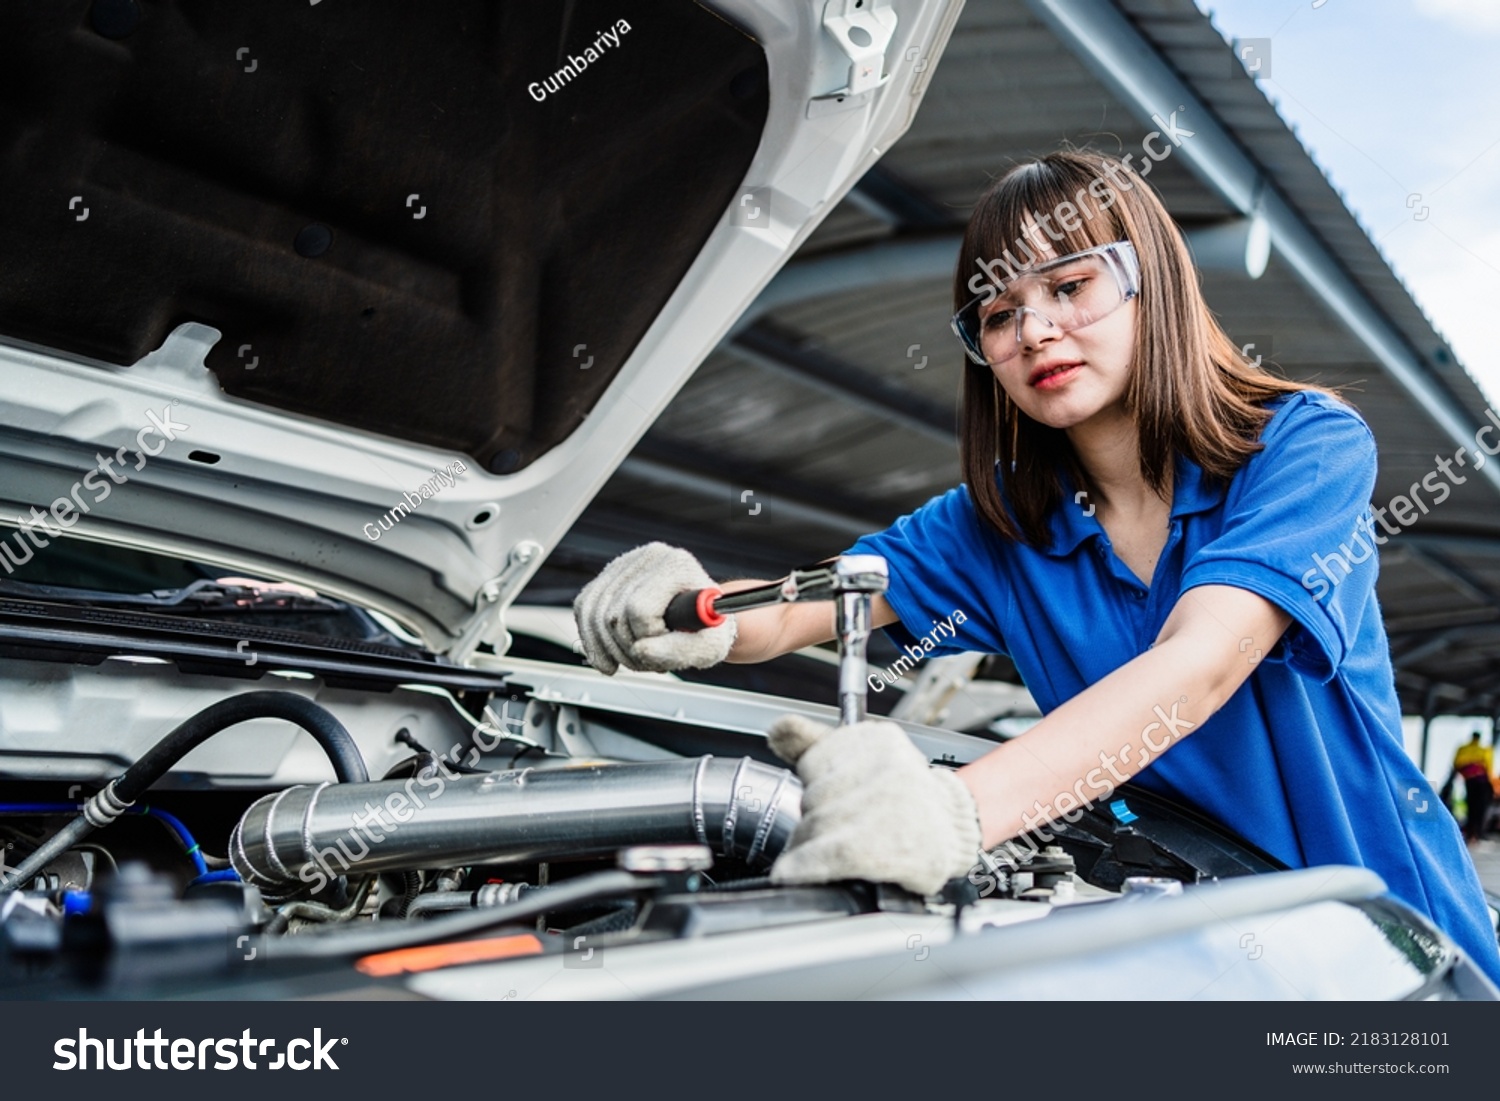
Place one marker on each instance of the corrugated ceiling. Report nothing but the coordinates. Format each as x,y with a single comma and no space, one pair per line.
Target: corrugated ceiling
834,413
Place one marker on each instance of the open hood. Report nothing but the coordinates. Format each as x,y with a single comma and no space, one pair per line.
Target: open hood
374,297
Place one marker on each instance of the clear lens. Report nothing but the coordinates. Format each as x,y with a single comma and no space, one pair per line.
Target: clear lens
1063,294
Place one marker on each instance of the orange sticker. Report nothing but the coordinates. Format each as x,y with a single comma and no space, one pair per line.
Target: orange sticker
434,956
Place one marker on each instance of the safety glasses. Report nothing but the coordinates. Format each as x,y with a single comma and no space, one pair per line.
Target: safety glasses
1063,294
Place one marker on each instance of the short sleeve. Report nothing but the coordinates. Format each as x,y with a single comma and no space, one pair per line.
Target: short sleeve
947,583
1298,530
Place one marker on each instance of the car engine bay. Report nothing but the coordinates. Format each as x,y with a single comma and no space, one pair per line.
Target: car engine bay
174,821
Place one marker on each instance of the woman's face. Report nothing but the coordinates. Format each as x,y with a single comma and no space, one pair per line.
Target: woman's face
1097,359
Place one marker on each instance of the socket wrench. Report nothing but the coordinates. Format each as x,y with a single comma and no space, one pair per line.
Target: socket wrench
851,581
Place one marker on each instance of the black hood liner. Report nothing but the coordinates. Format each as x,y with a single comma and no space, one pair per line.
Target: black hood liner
547,225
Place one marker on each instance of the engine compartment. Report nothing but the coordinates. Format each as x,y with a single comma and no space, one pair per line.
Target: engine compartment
535,807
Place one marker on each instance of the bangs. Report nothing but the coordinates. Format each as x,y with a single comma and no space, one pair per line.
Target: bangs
1189,390
1036,211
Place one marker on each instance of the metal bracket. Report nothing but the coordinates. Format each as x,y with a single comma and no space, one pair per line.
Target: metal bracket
570,735
863,30
489,606
181,360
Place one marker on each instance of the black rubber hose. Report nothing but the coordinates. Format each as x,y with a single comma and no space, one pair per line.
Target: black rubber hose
358,942
440,902
117,796
318,721
411,887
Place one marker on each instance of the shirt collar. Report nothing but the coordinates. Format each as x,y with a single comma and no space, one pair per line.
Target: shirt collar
1073,521
1193,490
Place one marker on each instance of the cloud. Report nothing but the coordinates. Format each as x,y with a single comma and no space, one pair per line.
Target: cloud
1467,15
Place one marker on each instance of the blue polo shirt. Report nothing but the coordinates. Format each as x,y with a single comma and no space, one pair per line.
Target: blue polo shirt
1306,760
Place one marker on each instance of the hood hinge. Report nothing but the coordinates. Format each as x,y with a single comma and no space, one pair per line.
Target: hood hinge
863,30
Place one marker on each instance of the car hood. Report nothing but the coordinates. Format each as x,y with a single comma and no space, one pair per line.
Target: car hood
375,298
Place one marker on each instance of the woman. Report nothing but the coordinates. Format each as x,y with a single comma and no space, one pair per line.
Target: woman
1174,547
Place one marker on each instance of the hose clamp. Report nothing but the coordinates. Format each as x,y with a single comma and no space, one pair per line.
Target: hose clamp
105,807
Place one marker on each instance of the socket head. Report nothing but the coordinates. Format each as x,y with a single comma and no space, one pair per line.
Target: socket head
860,573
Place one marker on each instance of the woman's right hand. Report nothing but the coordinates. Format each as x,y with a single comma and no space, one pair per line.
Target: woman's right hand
621,614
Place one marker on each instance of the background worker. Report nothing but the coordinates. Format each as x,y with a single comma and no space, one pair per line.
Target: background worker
1475,763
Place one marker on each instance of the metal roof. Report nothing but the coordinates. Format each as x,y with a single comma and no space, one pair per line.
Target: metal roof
832,406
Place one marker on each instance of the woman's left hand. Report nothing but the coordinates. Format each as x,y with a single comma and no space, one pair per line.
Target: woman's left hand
873,808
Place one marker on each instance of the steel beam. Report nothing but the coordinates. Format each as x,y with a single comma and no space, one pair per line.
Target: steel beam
708,485
893,200
892,261
849,384
1454,574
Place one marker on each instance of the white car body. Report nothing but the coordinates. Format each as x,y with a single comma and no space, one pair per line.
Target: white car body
253,490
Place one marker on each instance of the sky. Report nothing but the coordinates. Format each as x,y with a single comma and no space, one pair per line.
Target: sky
1399,102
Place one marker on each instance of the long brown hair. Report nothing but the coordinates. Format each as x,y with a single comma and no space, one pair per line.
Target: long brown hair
1189,391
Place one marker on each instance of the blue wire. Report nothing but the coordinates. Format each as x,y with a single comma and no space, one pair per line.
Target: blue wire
228,875
183,834
40,808
171,821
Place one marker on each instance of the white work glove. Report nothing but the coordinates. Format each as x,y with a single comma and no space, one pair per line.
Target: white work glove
873,808
621,614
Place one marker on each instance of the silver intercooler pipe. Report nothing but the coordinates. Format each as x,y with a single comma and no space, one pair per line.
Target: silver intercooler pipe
309,834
